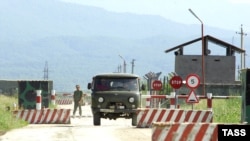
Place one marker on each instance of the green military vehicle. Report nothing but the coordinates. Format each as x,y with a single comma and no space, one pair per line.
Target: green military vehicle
115,95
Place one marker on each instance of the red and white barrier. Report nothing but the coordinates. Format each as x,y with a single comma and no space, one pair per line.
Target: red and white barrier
45,116
150,97
145,117
38,99
174,98
209,101
64,99
53,97
147,102
184,132
172,103
197,116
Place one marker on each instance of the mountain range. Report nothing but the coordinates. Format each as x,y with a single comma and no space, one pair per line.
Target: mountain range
75,42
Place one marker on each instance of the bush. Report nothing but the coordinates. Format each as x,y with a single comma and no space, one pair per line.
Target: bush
7,119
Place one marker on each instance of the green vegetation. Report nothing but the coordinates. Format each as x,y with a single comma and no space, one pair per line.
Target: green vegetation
7,119
224,110
227,110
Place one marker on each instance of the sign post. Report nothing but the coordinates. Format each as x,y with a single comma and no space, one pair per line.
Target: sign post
157,85
193,81
176,83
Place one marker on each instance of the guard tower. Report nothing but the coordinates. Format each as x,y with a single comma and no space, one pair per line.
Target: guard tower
219,70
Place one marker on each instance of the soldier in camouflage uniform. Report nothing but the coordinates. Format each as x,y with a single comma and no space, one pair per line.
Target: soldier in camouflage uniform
77,100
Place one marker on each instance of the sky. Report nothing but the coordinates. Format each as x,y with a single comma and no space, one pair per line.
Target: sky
225,14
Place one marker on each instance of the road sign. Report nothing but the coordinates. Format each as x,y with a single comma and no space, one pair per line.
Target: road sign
192,98
193,81
176,82
157,85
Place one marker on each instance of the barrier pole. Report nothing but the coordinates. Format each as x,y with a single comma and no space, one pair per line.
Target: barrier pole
209,101
147,102
14,107
172,100
53,97
38,99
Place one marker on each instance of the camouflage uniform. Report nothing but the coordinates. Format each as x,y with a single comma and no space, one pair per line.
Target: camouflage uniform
77,99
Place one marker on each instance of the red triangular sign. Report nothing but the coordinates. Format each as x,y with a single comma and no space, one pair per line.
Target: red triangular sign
192,98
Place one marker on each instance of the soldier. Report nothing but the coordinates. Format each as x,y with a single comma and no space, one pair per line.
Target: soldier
77,100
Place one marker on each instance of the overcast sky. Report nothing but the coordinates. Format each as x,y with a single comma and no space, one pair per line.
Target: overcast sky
227,14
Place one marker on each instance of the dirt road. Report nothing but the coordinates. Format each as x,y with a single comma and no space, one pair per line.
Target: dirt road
80,129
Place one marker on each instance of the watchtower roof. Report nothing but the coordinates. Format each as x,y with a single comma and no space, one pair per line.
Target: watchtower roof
208,38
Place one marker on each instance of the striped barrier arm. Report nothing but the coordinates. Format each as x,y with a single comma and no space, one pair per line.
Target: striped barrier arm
170,131
145,117
199,116
184,132
64,99
44,116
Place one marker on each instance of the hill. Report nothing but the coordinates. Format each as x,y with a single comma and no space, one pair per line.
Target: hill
79,41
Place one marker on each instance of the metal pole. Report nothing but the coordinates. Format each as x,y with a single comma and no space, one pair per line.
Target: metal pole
243,60
203,52
124,64
133,64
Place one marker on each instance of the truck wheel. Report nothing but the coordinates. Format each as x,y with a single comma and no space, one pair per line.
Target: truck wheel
97,119
134,119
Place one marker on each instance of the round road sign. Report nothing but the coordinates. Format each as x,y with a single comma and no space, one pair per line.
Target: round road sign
157,85
193,81
176,82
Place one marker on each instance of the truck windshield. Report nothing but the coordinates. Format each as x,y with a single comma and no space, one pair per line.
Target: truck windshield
116,84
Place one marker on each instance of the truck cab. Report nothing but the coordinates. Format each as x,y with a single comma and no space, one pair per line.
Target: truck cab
115,95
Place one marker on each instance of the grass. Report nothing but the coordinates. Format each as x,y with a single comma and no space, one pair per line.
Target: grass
7,120
224,110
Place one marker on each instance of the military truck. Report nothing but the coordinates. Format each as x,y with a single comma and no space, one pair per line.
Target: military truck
115,95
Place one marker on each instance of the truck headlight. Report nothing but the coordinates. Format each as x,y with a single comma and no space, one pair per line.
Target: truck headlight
131,99
100,99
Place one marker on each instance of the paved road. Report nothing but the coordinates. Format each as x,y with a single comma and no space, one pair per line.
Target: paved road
80,129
